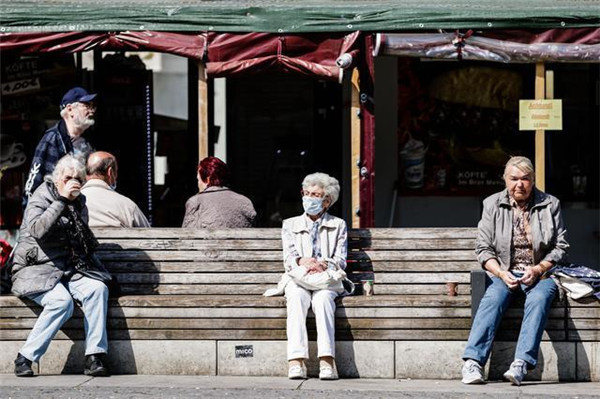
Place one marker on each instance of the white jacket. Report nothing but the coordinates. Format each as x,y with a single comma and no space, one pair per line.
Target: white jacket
333,236
297,243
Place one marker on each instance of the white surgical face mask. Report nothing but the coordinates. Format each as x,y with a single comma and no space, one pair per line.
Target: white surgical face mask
113,186
312,205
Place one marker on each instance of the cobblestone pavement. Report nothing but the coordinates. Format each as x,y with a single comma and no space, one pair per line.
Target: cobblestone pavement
134,386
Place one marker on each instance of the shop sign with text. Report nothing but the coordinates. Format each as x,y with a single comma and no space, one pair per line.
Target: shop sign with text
540,115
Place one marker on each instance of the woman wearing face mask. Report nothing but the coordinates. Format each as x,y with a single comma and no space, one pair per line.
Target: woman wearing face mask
315,241
55,249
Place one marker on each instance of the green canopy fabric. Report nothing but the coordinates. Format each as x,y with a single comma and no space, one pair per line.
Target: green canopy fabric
294,16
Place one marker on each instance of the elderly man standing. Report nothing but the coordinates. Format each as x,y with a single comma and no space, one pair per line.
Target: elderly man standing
77,109
106,207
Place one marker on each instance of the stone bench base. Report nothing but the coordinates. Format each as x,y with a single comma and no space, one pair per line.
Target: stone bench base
565,361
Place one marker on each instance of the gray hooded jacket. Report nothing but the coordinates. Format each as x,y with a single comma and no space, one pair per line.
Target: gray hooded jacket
42,252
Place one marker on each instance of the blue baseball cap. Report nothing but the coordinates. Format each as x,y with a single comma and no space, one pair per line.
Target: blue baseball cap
76,95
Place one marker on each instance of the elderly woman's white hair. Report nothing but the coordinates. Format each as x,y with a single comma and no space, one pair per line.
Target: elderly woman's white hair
329,184
521,163
69,164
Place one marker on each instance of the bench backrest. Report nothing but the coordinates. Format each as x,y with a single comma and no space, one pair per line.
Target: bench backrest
248,261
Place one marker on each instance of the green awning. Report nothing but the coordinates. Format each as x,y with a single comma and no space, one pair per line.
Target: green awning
294,16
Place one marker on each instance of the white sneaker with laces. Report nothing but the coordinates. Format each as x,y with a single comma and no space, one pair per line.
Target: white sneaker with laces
472,372
327,372
516,372
296,372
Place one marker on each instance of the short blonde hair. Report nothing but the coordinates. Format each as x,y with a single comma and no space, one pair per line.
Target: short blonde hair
521,163
329,184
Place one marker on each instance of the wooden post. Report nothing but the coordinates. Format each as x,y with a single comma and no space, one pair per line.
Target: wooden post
355,148
549,85
540,144
202,112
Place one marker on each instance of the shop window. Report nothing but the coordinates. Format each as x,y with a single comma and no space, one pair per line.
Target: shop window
458,125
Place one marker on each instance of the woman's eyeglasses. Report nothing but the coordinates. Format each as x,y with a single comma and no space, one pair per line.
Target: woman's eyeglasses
67,178
312,194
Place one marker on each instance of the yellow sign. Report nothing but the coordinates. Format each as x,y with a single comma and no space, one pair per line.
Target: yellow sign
540,114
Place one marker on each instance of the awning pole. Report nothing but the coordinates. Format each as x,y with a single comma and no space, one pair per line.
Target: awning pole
540,144
355,148
202,112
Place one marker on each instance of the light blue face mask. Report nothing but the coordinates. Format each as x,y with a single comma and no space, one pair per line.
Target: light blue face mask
312,205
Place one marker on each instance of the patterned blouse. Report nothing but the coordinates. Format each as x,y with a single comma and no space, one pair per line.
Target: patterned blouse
521,249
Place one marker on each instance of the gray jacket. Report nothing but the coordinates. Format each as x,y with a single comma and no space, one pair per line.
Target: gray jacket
42,252
548,231
218,208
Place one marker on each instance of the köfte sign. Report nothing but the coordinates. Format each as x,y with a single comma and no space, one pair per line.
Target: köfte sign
540,115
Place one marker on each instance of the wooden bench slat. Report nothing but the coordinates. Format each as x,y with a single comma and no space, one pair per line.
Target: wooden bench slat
584,335
109,233
195,256
259,289
249,323
277,266
412,266
268,334
270,245
194,267
275,234
280,334
198,278
415,278
275,312
273,278
259,255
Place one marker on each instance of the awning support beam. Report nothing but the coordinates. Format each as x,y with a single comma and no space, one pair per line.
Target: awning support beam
540,142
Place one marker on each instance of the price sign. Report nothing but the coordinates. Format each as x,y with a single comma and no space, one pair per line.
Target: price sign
20,86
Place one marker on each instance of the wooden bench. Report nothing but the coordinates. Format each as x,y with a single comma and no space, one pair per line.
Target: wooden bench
191,303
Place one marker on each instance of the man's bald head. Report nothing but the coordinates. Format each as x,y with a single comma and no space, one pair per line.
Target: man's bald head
100,165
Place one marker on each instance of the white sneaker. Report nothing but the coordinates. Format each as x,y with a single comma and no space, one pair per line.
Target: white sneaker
296,372
327,372
472,372
516,372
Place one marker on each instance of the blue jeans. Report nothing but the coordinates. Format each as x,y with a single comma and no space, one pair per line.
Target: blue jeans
494,303
58,308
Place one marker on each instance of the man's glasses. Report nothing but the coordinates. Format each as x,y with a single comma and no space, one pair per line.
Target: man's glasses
89,106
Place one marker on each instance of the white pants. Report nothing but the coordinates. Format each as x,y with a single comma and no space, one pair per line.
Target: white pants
299,301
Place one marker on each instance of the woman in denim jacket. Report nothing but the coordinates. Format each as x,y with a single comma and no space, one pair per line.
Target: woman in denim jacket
520,237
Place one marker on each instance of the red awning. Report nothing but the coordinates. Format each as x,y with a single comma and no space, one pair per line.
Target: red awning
225,54
251,53
191,45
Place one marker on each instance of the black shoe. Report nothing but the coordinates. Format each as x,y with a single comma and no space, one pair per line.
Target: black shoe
23,366
94,365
